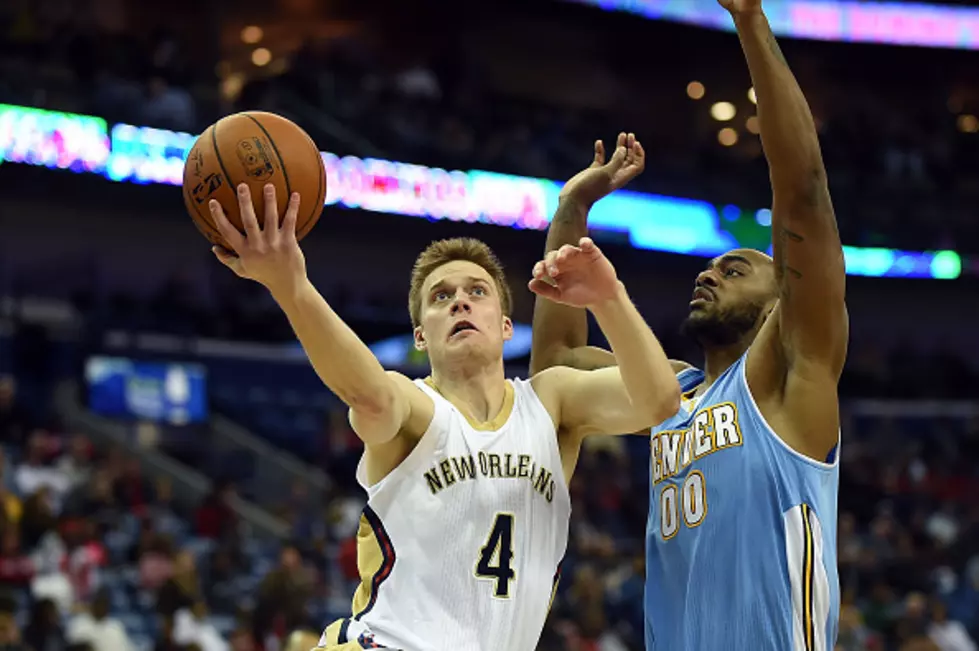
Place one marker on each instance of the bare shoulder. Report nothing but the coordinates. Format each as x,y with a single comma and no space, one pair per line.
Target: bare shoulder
548,385
420,405
381,459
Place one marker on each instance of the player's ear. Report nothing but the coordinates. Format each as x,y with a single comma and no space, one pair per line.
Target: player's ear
507,328
420,343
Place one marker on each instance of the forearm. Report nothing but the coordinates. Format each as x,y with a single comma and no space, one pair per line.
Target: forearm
646,371
788,132
344,363
558,328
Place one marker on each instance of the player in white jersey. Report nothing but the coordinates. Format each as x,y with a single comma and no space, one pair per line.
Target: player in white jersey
466,472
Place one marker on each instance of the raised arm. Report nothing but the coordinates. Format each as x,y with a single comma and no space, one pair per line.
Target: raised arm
809,266
560,332
642,389
382,404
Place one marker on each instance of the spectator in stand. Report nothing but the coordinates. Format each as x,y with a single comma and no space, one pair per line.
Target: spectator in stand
10,637
16,566
44,631
282,596
14,421
182,589
131,489
948,634
192,627
216,519
97,629
33,473
76,466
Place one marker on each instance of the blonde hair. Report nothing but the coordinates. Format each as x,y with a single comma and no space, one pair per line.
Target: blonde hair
442,252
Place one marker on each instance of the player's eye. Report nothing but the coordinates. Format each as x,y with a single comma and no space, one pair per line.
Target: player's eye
733,272
479,290
440,296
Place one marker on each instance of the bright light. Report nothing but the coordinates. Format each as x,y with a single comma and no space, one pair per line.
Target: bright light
251,34
968,123
751,124
261,57
231,85
727,136
752,96
695,90
723,111
764,217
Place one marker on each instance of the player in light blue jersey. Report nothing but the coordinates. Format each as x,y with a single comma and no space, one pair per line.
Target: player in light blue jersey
741,537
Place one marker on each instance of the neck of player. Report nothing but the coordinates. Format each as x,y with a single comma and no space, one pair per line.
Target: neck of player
477,390
718,359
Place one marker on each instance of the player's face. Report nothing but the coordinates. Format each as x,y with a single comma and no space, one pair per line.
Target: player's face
461,314
731,297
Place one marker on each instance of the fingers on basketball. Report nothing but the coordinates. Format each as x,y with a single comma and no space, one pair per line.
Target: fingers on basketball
271,210
248,218
230,234
289,219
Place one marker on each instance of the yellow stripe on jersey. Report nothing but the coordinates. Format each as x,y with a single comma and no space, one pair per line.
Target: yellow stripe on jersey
494,423
808,562
375,561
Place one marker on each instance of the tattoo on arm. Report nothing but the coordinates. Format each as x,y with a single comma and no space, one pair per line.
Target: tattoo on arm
782,268
776,50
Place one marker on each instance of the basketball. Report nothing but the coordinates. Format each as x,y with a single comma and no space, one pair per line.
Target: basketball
256,148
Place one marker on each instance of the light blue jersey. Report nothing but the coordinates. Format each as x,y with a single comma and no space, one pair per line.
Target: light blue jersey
741,538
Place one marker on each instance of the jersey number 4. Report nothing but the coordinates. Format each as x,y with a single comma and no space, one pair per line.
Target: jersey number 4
496,556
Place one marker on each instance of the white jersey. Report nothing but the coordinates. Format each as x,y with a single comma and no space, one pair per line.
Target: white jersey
459,547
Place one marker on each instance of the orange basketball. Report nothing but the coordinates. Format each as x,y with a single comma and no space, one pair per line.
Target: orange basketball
255,148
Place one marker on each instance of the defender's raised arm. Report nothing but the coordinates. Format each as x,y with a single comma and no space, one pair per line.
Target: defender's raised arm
809,264
560,332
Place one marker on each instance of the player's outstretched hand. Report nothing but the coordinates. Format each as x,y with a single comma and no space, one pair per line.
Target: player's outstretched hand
741,6
602,178
579,276
270,255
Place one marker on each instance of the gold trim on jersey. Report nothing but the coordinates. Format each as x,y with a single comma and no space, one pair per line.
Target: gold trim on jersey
375,561
494,423
808,562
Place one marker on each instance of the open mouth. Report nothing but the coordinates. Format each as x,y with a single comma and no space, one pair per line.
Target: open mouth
461,326
702,294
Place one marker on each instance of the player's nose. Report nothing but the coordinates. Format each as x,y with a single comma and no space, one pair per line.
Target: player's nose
460,304
707,278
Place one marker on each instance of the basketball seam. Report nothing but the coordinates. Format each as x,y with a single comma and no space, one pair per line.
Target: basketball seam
282,163
217,154
321,193
321,185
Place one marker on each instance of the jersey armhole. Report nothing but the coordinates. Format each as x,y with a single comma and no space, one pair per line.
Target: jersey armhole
428,441
833,458
525,388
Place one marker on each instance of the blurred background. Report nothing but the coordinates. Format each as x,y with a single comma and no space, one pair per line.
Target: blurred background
174,476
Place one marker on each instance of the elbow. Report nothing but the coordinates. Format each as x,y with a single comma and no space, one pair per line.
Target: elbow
371,405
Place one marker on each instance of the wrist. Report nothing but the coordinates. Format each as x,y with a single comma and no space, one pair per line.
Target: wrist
748,17
289,293
574,206
611,303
